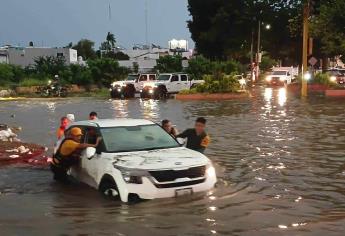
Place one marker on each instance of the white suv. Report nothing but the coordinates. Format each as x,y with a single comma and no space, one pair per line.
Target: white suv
168,84
137,159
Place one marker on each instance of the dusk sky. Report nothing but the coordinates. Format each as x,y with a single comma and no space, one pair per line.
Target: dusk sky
58,22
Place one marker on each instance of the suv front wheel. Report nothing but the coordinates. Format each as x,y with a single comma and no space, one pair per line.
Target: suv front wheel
109,188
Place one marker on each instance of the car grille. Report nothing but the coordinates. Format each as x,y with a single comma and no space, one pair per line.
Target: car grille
180,184
275,78
172,175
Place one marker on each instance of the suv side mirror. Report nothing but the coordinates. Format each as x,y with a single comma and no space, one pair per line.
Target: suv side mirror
181,141
90,152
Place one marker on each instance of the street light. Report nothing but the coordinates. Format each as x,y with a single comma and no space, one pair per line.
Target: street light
258,55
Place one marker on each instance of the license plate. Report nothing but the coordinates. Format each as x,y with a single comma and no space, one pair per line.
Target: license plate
183,192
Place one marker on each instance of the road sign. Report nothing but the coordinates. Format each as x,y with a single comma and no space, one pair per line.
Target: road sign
312,61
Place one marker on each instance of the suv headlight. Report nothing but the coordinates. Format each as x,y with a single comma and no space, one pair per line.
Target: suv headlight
132,176
268,79
282,79
210,171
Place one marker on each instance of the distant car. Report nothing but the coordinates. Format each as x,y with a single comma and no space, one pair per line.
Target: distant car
279,78
167,84
337,76
139,160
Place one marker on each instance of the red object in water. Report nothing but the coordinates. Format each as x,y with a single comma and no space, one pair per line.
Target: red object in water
35,155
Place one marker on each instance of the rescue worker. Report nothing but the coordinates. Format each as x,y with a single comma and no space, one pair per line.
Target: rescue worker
64,122
68,154
168,127
93,116
197,138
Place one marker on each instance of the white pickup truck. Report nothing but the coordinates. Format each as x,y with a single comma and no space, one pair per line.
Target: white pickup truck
132,85
281,76
167,84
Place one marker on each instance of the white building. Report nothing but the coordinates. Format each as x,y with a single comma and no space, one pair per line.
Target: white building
26,56
146,59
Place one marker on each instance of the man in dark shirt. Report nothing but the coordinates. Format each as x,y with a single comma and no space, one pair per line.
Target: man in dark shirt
197,138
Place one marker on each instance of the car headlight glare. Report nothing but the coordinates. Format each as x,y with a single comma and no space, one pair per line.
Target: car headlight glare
333,78
210,171
268,79
282,79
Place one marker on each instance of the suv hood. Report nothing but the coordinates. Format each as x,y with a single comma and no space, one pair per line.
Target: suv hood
175,158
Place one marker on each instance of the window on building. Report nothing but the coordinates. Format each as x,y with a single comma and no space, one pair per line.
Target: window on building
59,54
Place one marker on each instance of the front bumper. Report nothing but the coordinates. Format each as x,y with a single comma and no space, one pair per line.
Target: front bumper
149,190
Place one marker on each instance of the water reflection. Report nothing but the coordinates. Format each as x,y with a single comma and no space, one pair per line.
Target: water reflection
282,96
120,108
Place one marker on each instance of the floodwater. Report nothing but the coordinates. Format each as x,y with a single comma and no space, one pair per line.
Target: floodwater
280,162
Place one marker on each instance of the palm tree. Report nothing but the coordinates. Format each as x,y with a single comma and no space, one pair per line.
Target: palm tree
111,40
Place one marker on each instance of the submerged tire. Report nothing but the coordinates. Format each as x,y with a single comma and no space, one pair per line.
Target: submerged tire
108,188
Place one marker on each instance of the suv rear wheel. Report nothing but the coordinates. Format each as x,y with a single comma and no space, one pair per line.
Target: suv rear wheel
109,189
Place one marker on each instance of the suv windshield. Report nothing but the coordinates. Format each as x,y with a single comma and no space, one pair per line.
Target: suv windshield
164,77
136,138
132,77
279,73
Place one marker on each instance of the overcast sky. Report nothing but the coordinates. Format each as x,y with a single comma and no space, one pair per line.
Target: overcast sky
58,22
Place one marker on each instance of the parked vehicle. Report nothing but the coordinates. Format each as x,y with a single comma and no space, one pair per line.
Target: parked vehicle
132,85
137,159
167,84
337,76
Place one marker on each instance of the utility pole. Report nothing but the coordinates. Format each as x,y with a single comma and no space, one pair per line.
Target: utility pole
306,12
252,57
258,52
146,24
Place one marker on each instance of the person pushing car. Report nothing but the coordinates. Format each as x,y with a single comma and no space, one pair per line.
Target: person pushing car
197,138
68,154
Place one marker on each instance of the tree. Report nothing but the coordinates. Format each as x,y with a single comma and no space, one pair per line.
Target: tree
109,43
85,49
104,71
49,66
328,28
169,64
223,29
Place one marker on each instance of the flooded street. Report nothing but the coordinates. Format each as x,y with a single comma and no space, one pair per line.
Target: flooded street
280,162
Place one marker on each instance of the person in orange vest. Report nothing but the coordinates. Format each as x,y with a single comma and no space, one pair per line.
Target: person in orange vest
64,122
68,154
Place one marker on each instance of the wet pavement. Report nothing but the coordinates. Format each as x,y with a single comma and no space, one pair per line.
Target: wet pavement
280,160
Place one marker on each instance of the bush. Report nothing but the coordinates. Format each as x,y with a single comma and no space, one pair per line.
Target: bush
32,82
219,83
10,74
199,66
321,78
